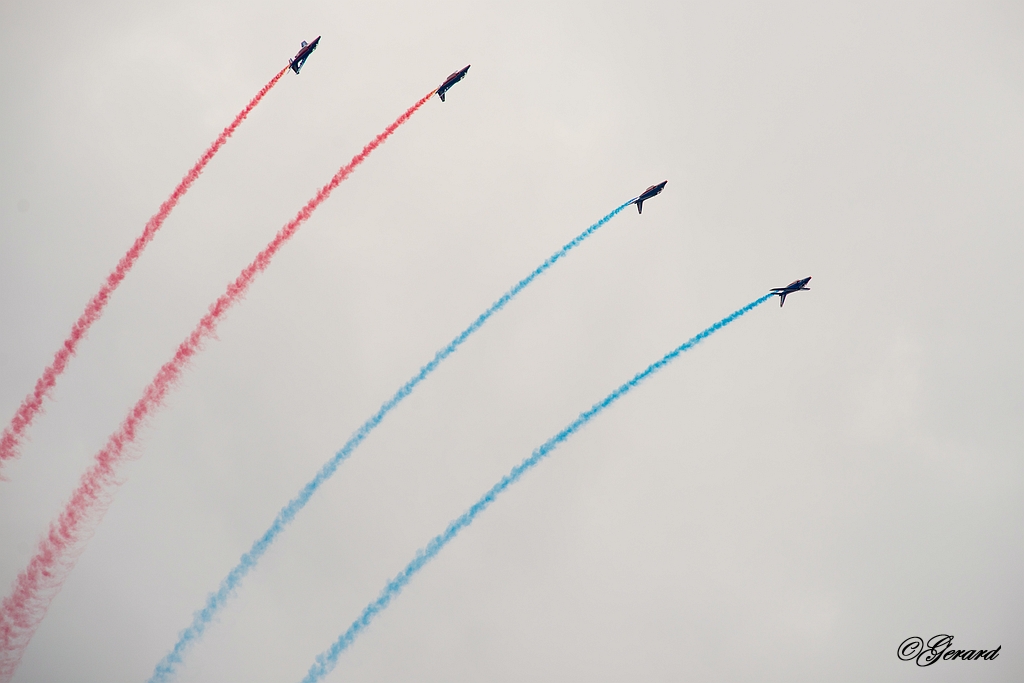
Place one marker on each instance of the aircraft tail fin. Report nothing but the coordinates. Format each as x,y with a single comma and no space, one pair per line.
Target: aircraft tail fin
441,95
782,298
640,206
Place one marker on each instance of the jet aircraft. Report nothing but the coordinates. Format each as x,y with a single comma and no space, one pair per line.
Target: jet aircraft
794,286
651,191
450,81
298,60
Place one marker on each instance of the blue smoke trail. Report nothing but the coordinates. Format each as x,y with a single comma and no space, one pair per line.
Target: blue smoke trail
326,661
216,601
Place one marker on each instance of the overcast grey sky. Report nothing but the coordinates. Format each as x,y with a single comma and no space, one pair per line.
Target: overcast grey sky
787,502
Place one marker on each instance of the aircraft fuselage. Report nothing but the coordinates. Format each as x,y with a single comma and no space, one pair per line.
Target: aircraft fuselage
452,80
296,62
794,286
651,191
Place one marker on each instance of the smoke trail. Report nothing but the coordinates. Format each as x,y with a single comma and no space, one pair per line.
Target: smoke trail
38,584
326,661
14,433
216,601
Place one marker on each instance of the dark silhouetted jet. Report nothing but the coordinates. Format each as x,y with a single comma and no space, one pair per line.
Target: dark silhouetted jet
651,191
298,60
450,81
795,286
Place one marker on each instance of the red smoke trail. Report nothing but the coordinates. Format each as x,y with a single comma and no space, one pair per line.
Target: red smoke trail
39,582
33,403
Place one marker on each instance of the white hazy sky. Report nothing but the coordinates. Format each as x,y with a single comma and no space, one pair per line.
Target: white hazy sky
787,502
